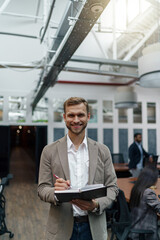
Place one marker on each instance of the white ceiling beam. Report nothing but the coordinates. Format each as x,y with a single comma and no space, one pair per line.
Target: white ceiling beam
140,44
4,5
99,44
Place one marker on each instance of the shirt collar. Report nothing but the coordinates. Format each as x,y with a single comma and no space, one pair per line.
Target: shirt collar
70,144
139,144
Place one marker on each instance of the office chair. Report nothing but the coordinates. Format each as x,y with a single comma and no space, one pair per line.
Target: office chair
153,164
3,227
117,158
121,222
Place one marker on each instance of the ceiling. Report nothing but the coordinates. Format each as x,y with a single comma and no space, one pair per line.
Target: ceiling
44,41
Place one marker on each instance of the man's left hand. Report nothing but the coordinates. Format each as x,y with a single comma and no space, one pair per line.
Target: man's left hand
85,205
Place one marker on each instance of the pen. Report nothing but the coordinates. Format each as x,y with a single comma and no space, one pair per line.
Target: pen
58,177
55,176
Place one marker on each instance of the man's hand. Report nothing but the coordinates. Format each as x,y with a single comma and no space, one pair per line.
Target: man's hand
85,205
150,159
61,184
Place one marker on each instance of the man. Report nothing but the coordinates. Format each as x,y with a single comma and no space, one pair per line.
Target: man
137,155
76,160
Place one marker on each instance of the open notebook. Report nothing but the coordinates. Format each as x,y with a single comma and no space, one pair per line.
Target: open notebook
86,193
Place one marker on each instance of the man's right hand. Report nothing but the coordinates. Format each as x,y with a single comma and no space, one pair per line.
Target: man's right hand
61,184
150,159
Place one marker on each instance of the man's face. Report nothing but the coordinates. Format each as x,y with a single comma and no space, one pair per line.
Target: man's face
138,138
76,118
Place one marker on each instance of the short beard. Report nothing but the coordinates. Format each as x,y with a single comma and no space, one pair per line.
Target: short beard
77,133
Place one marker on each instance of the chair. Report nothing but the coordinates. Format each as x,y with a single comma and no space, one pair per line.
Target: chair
3,227
117,158
153,164
121,221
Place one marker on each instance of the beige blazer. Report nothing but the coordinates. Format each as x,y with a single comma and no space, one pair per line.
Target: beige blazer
54,160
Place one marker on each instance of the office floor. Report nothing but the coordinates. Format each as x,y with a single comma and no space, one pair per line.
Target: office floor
26,214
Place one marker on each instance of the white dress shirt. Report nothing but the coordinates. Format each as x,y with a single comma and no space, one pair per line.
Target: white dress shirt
78,167
140,164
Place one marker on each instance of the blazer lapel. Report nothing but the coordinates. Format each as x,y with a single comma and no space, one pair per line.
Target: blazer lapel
63,156
93,157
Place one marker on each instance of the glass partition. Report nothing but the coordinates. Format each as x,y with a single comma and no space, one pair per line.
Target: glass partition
137,113
17,109
93,110
151,112
40,113
1,108
107,111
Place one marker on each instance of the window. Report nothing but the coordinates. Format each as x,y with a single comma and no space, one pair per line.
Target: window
107,111
58,109
17,109
122,115
137,113
40,113
93,110
151,112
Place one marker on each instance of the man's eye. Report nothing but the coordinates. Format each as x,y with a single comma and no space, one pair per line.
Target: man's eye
81,115
71,115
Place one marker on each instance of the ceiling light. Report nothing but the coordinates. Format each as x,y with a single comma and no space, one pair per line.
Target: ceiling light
148,66
96,8
125,97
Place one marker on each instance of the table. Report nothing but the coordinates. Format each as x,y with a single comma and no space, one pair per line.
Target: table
123,167
122,170
126,185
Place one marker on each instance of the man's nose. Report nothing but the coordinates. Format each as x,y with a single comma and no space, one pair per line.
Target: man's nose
76,119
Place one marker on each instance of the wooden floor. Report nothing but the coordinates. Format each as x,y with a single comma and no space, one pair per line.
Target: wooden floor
26,214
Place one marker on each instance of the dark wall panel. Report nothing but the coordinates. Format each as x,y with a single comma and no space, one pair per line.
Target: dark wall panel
41,141
152,141
4,150
92,133
58,133
123,143
108,138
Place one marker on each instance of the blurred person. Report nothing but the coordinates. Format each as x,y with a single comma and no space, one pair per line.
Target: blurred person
77,160
144,204
137,155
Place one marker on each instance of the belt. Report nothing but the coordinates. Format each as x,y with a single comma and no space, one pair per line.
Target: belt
81,219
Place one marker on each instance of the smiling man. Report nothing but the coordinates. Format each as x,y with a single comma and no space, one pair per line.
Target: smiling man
77,161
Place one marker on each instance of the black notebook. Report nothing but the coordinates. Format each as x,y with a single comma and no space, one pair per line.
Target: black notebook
86,193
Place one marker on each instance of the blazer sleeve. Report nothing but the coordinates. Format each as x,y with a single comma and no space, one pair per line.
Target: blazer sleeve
45,182
152,200
110,179
145,153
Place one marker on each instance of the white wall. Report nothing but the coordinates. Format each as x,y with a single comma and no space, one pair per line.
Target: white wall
100,93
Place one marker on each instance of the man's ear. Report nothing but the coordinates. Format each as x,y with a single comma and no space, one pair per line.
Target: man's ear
89,115
64,116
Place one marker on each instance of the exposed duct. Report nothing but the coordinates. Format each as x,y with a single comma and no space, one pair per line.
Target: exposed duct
102,73
75,35
98,83
103,61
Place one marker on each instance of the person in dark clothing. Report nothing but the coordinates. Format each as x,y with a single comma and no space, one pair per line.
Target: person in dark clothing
137,154
144,204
